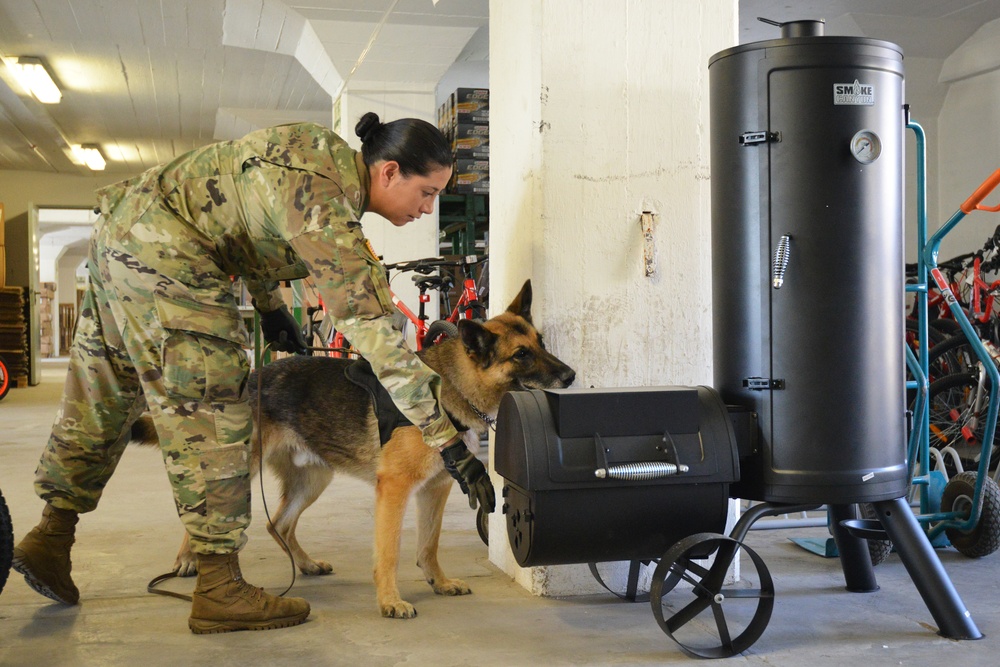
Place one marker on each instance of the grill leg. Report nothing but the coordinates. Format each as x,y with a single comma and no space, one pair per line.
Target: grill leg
953,619
854,556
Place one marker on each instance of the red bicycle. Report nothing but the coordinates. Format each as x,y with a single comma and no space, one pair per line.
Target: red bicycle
324,339
470,305
4,379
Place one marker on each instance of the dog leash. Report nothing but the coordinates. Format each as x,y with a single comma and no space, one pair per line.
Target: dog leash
151,587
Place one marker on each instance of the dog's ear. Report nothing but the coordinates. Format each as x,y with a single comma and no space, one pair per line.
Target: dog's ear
521,305
479,342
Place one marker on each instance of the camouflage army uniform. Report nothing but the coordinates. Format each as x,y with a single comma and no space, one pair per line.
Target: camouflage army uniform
160,326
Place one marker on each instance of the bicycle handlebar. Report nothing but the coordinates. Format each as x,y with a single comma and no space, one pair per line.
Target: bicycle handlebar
973,202
427,265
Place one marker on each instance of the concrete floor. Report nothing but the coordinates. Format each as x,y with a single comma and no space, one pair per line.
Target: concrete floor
133,536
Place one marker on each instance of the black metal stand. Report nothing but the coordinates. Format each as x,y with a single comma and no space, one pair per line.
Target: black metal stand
922,564
761,510
924,567
854,556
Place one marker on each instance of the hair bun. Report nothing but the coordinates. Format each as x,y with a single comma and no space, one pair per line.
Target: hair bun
367,126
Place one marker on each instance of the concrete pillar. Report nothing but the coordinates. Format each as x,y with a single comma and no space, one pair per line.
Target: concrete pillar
599,112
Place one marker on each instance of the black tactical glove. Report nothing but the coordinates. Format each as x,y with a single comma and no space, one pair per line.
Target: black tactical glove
282,331
471,475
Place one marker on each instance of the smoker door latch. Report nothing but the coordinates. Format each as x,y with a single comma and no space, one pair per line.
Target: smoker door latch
763,137
763,384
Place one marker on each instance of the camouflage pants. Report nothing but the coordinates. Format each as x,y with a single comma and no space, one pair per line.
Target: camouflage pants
146,340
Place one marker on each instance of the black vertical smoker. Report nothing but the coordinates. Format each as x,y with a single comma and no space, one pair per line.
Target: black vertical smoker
808,407
807,256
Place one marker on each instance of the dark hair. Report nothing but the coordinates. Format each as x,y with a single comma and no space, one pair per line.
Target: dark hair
415,144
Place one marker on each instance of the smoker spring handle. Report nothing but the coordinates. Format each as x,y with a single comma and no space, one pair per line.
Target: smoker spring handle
780,262
640,471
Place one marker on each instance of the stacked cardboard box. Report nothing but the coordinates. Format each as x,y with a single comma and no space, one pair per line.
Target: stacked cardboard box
3,250
47,295
465,120
14,334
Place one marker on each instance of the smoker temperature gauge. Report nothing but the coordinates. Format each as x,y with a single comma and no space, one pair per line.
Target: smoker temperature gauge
866,147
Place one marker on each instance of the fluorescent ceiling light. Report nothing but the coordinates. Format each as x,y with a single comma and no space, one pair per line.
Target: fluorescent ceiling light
31,73
90,155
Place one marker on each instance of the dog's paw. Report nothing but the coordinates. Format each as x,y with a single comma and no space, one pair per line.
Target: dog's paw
451,587
397,609
186,565
316,568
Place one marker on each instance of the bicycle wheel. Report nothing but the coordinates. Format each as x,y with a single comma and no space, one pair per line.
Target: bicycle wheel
6,542
950,356
4,379
439,331
956,422
936,369
949,327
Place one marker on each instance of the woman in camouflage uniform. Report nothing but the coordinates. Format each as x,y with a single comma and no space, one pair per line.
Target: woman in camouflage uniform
160,327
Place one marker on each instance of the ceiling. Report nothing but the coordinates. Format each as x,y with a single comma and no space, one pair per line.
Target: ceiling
148,80
924,28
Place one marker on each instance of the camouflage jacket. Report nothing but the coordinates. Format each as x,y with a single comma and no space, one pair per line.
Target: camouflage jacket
281,204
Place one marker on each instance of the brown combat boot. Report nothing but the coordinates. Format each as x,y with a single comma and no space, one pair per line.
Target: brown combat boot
43,555
223,602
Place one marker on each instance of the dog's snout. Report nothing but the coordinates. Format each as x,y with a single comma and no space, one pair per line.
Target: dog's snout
567,376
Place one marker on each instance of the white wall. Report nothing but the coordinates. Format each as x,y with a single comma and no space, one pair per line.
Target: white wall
419,238
969,138
471,68
19,189
599,111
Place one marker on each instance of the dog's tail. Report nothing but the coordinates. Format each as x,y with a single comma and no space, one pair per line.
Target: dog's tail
144,433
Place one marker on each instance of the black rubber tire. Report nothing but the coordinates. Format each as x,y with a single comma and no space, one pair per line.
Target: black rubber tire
952,355
439,331
950,409
878,550
935,367
949,327
6,542
984,538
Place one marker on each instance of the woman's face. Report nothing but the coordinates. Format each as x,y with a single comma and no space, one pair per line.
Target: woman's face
402,199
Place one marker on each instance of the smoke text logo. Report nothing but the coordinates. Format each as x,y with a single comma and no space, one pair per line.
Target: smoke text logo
854,93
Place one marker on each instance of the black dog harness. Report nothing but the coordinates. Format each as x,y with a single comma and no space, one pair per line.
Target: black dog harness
389,416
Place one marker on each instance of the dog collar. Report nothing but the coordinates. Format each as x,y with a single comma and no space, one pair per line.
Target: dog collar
491,422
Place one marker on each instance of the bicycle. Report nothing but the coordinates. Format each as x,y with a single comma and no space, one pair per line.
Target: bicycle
468,306
319,332
957,422
4,379
948,349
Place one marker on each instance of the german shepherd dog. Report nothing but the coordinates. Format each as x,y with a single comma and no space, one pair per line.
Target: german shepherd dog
314,422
